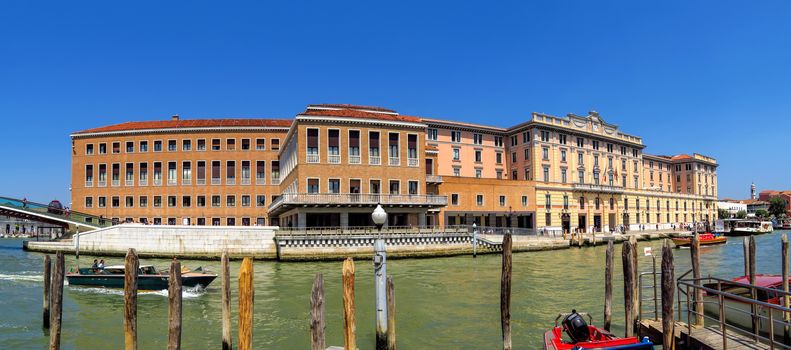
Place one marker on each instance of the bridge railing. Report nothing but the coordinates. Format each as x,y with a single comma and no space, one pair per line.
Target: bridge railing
47,211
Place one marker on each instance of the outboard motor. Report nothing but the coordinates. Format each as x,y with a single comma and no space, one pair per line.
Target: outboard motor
576,327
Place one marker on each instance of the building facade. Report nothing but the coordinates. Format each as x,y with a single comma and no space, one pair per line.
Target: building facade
331,164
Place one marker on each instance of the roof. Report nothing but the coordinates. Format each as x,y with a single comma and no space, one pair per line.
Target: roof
190,123
350,106
353,113
761,280
681,157
463,124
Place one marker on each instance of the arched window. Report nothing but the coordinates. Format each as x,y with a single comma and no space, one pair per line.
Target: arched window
582,202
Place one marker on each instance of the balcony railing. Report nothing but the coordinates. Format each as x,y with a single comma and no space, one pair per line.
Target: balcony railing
142,182
413,162
312,158
395,161
157,182
230,181
354,159
276,181
334,158
186,181
216,181
374,160
102,183
88,183
245,181
172,182
598,188
129,183
359,198
260,181
201,181
433,178
116,183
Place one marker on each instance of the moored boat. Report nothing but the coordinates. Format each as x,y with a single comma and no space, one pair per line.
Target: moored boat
148,277
738,313
584,336
704,238
742,227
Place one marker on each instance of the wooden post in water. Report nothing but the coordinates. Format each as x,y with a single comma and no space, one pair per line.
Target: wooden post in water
317,341
628,287
131,269
47,280
754,293
174,309
746,243
56,298
786,299
668,291
349,327
246,298
391,322
225,268
505,293
608,266
698,297
635,285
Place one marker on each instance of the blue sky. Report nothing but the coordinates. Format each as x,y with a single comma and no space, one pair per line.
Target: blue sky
688,76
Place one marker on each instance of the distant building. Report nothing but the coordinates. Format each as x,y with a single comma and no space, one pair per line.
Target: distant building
766,195
732,206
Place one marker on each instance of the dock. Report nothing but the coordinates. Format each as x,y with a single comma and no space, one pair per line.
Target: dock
703,338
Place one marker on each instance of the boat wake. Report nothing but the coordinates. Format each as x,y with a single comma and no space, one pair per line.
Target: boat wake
186,293
23,278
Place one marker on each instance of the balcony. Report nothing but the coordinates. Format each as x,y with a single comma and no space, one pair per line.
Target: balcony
157,181
312,158
245,181
413,162
230,181
102,183
88,183
116,183
216,181
201,181
142,182
287,200
354,159
374,160
395,161
435,179
334,158
129,183
276,181
598,188
186,181
172,182
260,181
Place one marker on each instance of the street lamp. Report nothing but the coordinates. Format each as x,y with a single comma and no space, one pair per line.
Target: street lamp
379,217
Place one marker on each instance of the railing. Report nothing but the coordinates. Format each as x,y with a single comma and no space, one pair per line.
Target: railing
88,183
598,188
157,182
129,183
230,181
44,210
413,162
142,182
334,158
312,158
374,160
201,181
371,231
216,181
245,181
359,198
395,161
276,181
354,159
260,181
516,231
102,183
172,182
186,181
433,178
116,183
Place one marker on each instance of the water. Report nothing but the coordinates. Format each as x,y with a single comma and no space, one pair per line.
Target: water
443,303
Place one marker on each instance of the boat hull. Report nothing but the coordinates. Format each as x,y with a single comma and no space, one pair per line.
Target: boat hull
144,282
686,242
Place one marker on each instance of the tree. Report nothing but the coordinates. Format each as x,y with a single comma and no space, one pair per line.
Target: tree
741,214
723,213
777,206
761,213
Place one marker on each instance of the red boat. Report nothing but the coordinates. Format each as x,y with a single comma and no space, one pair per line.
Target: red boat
580,335
704,238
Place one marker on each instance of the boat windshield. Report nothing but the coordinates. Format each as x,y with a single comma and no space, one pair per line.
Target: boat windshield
148,270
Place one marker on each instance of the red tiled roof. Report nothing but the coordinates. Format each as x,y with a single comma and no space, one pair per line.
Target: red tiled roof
194,123
681,156
352,113
350,106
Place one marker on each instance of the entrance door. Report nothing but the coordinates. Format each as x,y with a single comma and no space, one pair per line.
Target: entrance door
612,222
565,220
582,223
597,223
626,222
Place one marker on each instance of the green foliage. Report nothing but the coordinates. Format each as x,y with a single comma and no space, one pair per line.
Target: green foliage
761,213
741,214
723,214
777,206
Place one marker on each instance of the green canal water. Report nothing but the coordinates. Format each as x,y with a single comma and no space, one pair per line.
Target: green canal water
442,303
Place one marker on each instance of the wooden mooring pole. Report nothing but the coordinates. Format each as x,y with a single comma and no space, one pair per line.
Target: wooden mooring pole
225,270
754,292
628,287
746,243
391,322
635,285
317,340
246,299
608,266
668,291
505,293
698,297
349,327
47,281
131,269
174,309
56,298
786,298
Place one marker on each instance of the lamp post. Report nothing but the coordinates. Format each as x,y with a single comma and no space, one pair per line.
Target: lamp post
379,217
474,240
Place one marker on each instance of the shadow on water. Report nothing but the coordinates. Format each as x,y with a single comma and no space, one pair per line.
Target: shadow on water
442,303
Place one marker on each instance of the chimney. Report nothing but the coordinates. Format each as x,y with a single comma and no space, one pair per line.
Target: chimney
174,118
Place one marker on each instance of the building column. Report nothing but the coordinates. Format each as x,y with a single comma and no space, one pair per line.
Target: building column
421,219
302,219
344,219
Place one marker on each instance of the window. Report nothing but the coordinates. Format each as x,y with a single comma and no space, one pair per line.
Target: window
186,201
201,145
274,144
333,146
157,146
143,178
245,200
498,158
411,147
89,202
88,175
595,145
545,153
89,149
527,174
230,201
275,168
102,148
143,146
565,202
373,148
142,201
374,187
612,204
499,174
498,141
260,172
580,142
478,173
260,200
157,201
260,144
562,139
115,202
186,172
116,147
130,174
479,200
626,204
230,221
563,175
526,153
172,173
597,203
546,174
215,144
524,201
393,149
200,201
514,140
609,147
354,146
245,144
582,203
502,201
581,176
102,202
116,174
230,144
454,199
563,155
245,172
456,171
395,187
230,172
171,201
130,147
547,201
313,185
215,172
334,186
514,175
580,159
171,145
455,136
431,134
186,145
513,157
477,139
544,136
413,187
457,154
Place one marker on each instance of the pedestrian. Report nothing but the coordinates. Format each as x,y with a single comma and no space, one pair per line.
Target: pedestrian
101,264
95,265
24,202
